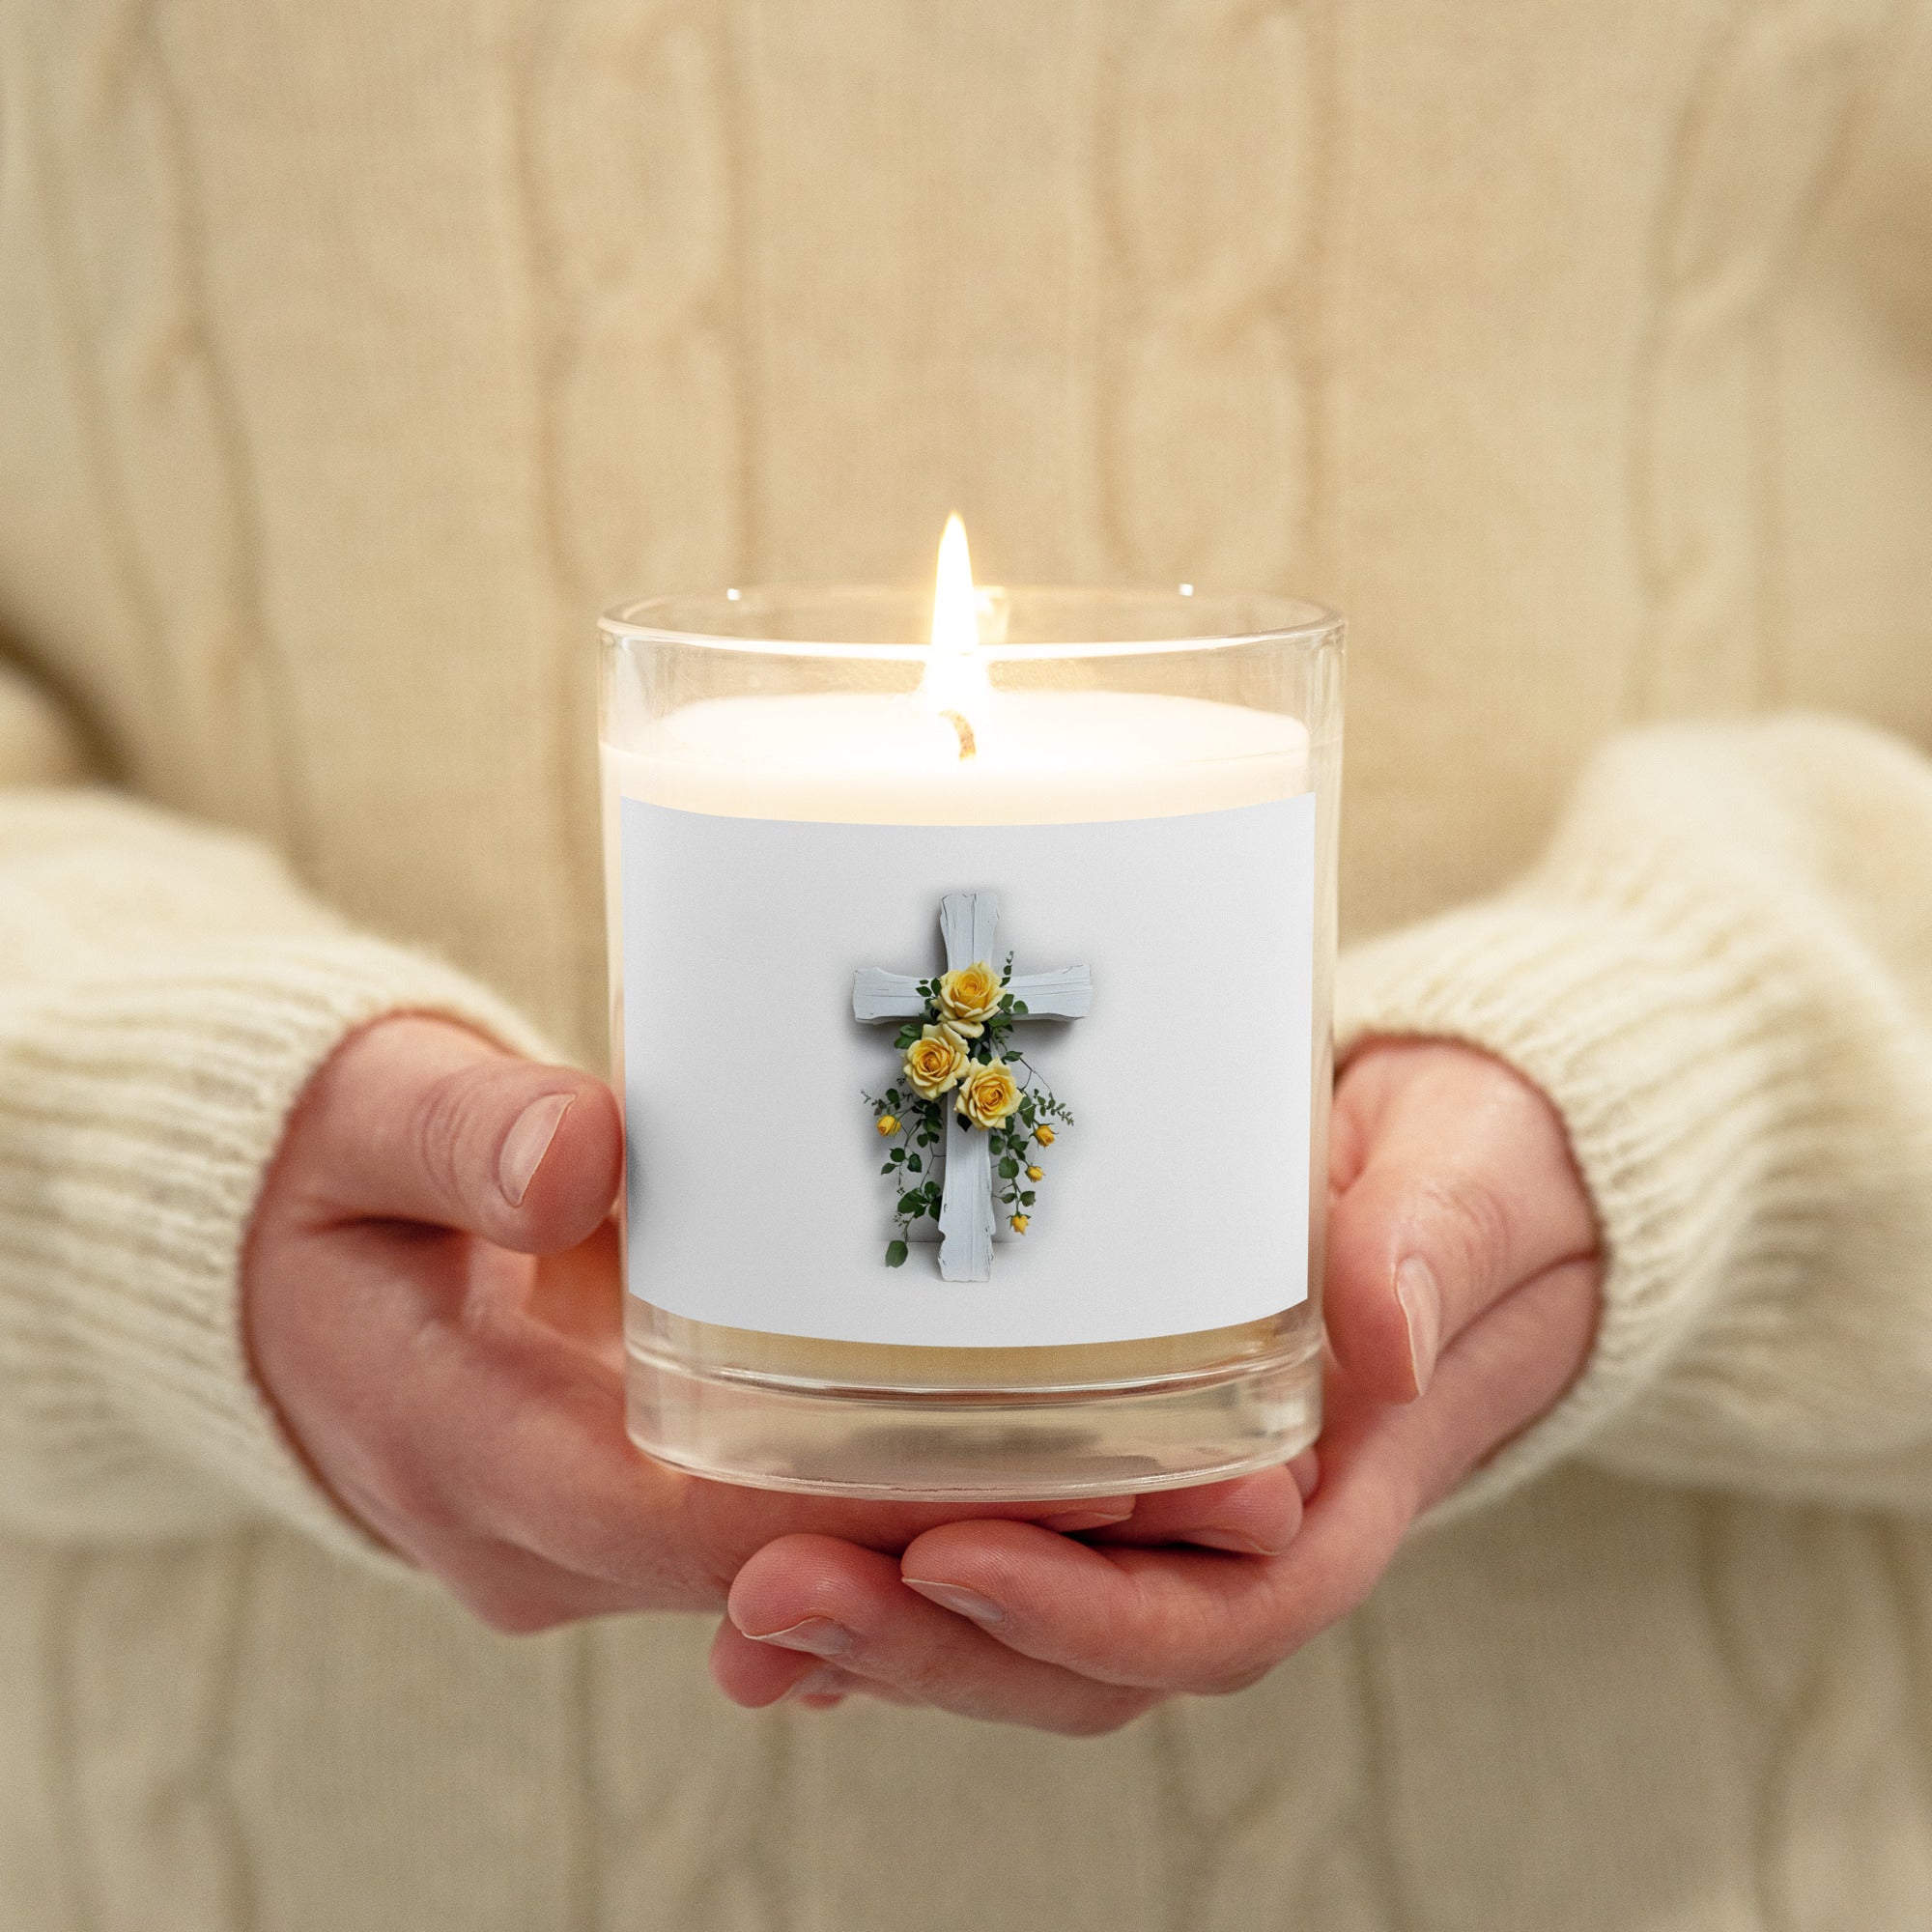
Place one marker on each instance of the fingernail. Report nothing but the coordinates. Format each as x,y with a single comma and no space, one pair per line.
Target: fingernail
824,1681
1230,1540
1421,1300
1073,1521
962,1603
820,1635
1306,1470
526,1143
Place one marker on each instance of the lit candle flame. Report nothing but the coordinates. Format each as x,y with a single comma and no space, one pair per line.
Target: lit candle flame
954,627
955,684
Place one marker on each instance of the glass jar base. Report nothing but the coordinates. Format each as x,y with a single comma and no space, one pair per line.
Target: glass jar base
941,1445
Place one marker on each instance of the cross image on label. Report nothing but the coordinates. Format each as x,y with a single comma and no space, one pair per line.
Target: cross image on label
761,1043
969,923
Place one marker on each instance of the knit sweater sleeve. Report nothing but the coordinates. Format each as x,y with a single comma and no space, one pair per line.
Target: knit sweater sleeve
166,992
1721,974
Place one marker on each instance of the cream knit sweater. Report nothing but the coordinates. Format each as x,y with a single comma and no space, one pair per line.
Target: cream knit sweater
351,354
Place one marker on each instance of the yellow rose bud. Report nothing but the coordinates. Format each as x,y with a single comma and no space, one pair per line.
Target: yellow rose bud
888,1125
935,1061
1044,1135
1035,1174
988,1094
1020,1224
968,996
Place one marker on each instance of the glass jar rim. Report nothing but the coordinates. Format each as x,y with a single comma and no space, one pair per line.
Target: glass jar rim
680,619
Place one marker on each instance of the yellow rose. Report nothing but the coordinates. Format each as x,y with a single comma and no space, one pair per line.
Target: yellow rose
970,996
1044,1135
935,1061
988,1094
1020,1224
1035,1174
888,1125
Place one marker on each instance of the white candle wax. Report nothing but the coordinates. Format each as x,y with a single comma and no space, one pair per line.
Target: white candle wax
1038,757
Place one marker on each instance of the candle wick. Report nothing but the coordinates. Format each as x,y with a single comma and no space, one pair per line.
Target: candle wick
968,745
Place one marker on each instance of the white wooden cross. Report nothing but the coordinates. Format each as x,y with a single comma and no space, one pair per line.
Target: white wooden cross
968,922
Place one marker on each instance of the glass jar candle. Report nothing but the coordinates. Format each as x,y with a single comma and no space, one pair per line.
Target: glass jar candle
971,1016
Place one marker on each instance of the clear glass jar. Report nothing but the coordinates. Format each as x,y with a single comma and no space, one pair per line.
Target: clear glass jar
1109,708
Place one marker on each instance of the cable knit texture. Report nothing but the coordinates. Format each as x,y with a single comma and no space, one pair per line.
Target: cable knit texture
355,353
166,996
1705,974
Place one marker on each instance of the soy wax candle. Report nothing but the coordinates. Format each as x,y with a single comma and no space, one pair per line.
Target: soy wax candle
970,961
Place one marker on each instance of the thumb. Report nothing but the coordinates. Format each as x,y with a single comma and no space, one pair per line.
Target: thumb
420,1120
1460,1186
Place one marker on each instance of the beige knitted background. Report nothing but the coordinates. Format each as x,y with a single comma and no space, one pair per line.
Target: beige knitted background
1587,358
352,352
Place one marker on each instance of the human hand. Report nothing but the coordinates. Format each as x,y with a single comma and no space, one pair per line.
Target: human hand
1462,1299
431,1301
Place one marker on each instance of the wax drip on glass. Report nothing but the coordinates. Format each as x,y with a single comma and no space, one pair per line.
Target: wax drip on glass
955,687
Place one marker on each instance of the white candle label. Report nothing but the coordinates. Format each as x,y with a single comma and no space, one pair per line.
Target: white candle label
969,1086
